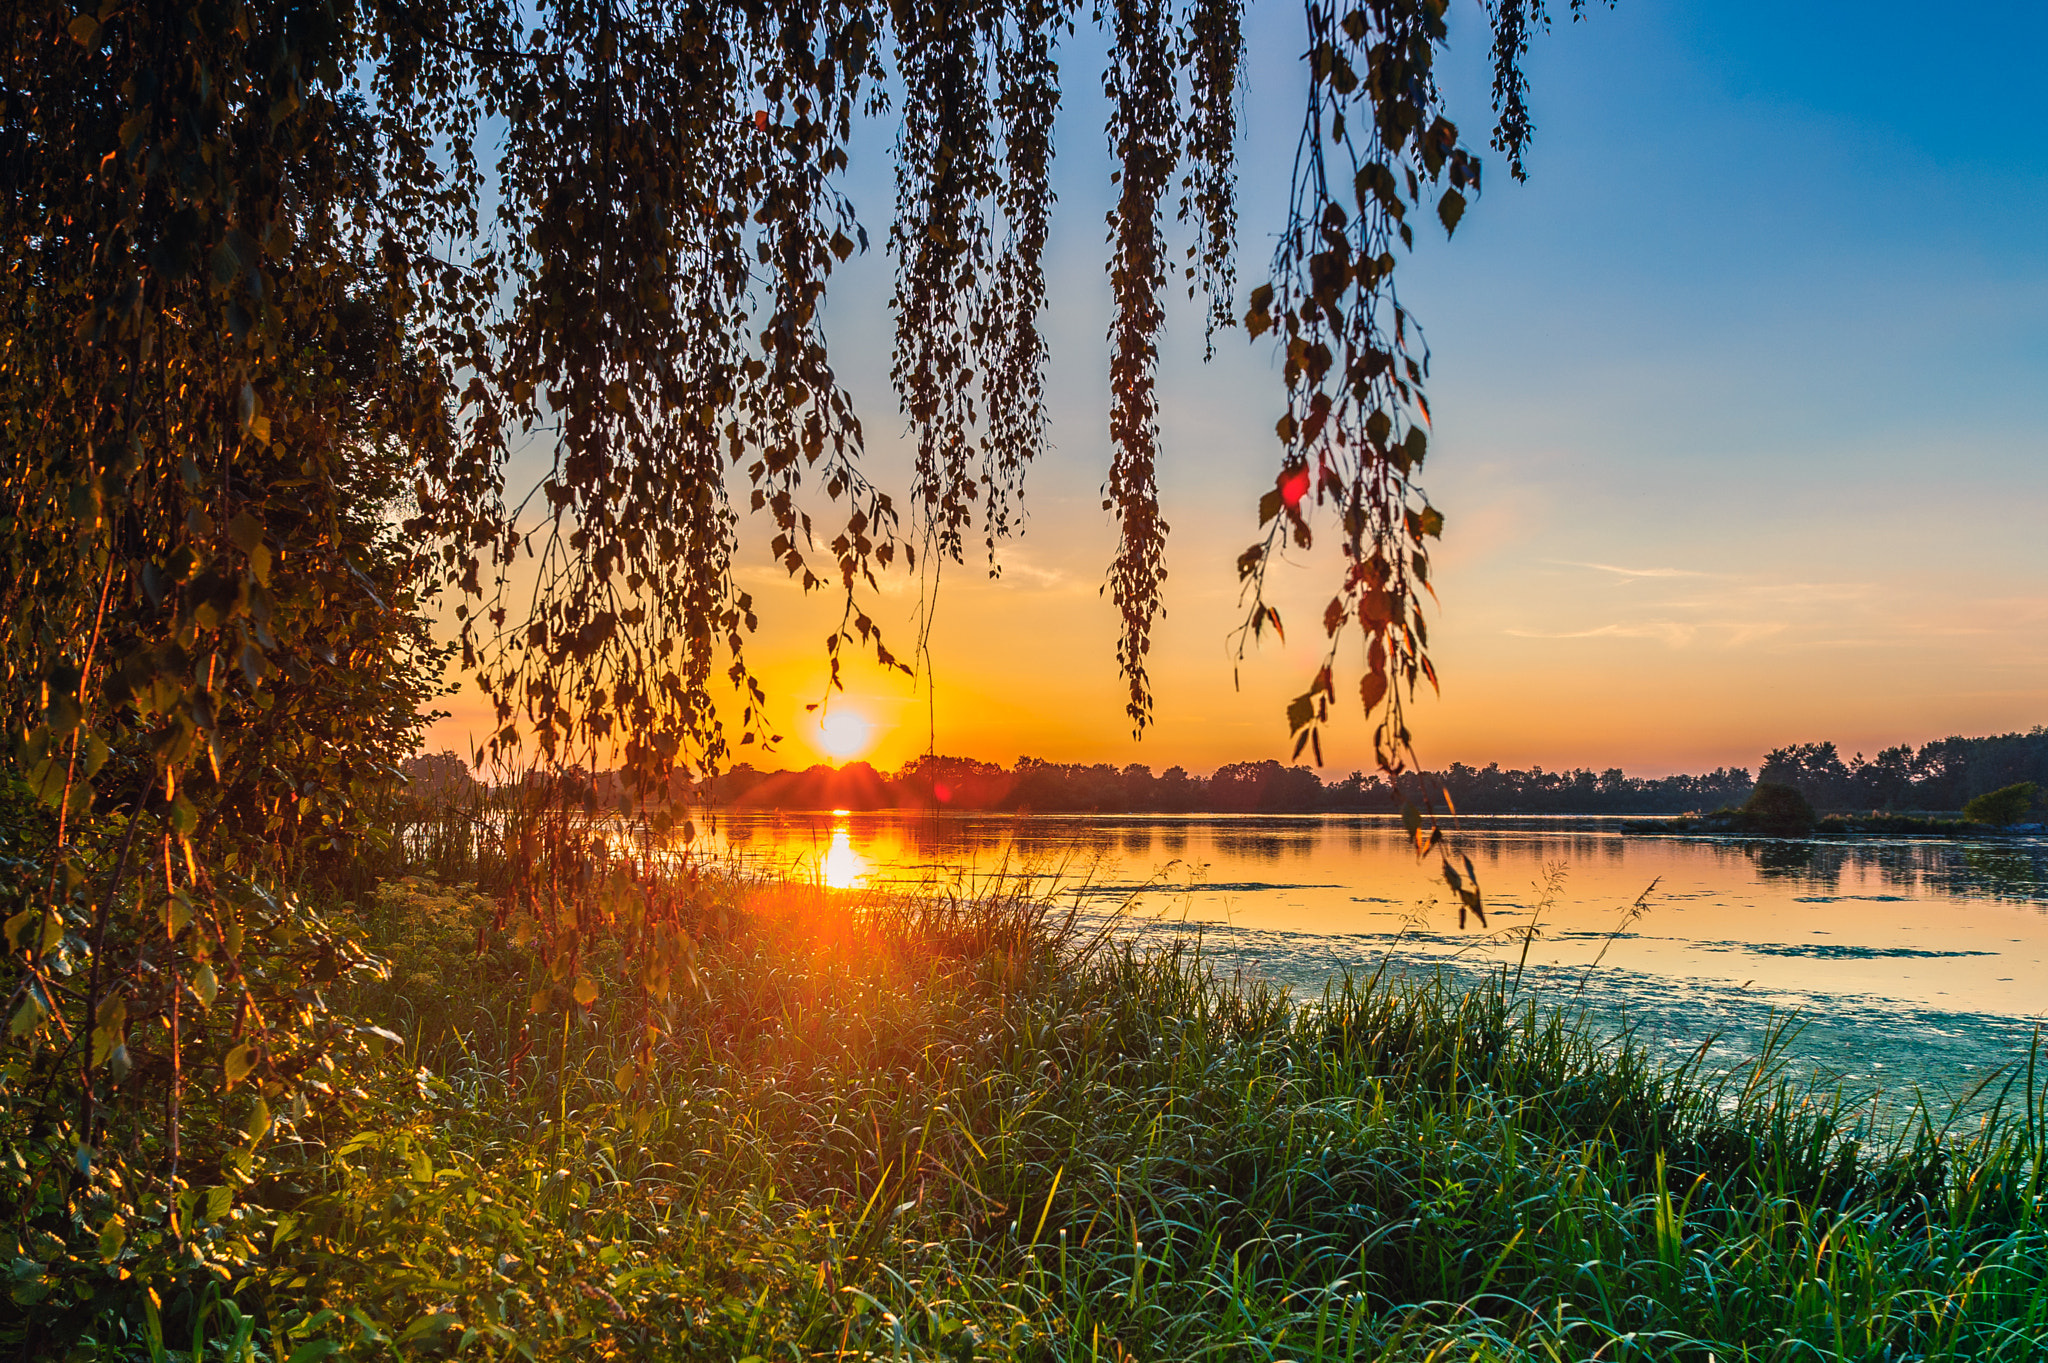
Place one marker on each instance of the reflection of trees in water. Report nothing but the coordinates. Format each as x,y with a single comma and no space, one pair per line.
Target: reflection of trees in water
2009,872
2002,871
1815,865
1517,850
1138,847
1252,846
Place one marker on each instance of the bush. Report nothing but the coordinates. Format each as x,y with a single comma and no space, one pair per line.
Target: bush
2004,806
1778,810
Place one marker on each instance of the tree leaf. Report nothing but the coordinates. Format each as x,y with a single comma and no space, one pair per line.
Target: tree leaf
1449,209
239,1062
113,1235
30,1015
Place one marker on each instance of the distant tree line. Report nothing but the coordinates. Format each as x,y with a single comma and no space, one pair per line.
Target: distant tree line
1237,788
1941,775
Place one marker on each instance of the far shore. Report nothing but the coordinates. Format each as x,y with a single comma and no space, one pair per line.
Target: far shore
1719,824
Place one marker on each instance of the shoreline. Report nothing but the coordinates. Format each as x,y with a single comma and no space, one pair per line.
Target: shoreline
1832,828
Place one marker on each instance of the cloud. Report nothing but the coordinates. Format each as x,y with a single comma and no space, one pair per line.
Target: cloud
1672,633
1619,571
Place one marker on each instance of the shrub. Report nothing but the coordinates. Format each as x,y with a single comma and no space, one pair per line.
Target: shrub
2004,806
1778,810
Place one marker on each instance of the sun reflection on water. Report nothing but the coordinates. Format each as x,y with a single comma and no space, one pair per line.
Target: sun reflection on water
841,867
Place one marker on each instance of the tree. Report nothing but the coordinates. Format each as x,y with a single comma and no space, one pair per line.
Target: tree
2004,806
284,285
1777,810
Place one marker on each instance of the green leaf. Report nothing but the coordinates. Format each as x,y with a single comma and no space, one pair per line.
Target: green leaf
63,714
239,1062
429,1325
313,1350
113,1235
378,1038
205,986
30,1015
111,1028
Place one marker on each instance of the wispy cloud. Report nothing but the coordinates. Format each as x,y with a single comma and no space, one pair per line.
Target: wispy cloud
1673,633
1620,571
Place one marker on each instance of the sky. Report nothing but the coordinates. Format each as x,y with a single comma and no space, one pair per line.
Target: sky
1741,421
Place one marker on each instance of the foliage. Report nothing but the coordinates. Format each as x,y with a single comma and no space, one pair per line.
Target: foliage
895,1128
2007,805
1941,775
611,229
1777,810
210,632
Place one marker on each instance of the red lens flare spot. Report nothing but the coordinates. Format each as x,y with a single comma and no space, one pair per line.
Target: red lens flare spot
1293,488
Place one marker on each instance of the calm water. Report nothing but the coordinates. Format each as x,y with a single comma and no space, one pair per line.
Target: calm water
1921,956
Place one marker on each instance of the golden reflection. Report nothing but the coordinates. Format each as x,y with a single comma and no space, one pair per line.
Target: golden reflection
841,867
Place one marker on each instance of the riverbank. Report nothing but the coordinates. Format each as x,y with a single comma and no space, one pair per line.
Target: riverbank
952,1128
1730,823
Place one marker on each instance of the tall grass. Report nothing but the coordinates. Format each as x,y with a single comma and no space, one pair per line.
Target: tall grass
969,1126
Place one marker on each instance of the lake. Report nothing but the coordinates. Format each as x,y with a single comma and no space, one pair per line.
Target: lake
1913,958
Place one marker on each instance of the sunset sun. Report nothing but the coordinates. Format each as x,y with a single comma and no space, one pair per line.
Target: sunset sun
844,734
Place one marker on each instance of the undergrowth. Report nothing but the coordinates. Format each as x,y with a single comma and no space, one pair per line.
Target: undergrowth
973,1127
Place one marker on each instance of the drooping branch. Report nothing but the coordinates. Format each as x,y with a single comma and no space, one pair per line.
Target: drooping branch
1375,147
1214,55
1145,135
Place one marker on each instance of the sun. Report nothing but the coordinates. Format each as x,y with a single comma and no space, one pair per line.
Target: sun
844,733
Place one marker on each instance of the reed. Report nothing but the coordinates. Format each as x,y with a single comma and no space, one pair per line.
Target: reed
977,1126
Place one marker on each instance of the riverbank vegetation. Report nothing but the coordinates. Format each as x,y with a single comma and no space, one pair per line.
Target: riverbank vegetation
983,1127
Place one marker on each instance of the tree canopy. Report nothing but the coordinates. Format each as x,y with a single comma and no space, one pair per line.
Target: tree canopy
615,224
285,285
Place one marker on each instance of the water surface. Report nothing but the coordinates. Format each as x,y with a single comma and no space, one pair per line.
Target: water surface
1918,955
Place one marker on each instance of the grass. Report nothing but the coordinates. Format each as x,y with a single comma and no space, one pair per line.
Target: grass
970,1127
